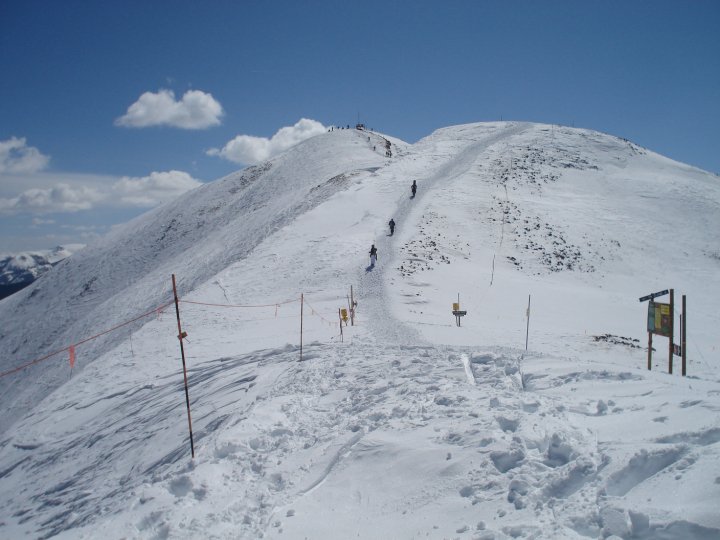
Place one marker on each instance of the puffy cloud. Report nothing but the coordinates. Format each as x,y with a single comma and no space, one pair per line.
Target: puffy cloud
157,188
248,150
196,110
85,192
59,198
16,157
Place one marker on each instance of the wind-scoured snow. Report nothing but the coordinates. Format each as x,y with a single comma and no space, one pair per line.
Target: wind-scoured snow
407,426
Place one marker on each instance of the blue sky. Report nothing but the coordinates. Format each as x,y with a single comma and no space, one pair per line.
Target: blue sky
109,108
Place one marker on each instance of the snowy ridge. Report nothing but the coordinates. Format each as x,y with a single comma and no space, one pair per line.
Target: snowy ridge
412,426
194,237
17,270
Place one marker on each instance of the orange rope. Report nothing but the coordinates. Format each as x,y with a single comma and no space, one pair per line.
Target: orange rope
38,360
239,306
153,312
315,312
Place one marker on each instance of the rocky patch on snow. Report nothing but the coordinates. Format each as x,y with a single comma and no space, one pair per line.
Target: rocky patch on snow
618,340
429,249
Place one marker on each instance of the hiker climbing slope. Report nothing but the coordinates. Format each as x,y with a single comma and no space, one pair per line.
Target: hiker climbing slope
413,188
373,255
391,224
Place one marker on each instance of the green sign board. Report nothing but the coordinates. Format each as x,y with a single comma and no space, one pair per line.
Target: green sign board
660,319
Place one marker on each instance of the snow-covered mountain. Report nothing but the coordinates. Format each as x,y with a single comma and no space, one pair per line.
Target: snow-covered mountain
407,425
18,270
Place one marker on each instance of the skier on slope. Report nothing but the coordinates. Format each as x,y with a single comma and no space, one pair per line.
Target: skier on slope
373,255
413,188
392,226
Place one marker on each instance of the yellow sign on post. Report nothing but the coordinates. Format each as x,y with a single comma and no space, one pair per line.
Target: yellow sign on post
660,319
343,314
456,311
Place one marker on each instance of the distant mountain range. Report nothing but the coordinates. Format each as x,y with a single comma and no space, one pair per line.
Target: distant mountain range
18,270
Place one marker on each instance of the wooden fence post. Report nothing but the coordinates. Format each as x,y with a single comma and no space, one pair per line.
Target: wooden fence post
683,337
181,336
671,347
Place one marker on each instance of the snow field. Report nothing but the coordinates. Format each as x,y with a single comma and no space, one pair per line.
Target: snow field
411,427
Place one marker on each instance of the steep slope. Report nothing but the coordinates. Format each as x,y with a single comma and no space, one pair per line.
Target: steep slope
195,236
582,221
409,426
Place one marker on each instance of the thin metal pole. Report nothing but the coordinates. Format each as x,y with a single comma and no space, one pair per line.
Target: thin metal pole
649,351
302,302
527,329
341,321
181,336
352,307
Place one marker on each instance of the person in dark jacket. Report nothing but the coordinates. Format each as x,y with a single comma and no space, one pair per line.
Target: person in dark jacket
392,226
373,255
413,188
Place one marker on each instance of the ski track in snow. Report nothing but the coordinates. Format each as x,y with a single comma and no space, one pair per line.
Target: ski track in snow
410,427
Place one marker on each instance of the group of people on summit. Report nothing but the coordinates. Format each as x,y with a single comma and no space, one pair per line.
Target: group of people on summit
391,224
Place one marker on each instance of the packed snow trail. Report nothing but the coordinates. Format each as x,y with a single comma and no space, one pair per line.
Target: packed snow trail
374,282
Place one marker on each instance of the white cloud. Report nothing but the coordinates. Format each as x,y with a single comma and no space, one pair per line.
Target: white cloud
16,157
59,198
37,222
69,194
88,229
154,189
248,150
196,110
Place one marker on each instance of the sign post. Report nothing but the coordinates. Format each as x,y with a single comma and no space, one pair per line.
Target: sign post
661,321
457,312
653,295
654,320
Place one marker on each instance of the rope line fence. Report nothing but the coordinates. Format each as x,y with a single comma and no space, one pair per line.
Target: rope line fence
274,304
71,349
315,312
